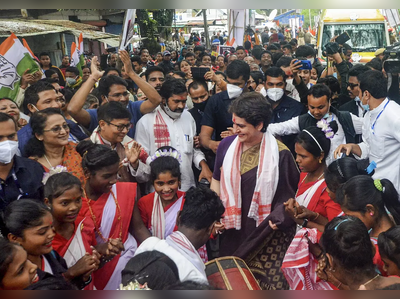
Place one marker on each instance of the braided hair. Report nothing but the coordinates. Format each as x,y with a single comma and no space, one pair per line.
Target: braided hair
96,156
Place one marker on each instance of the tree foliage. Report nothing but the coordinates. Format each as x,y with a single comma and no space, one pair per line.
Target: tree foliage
305,13
156,26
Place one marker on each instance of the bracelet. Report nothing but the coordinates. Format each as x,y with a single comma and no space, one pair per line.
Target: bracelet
316,217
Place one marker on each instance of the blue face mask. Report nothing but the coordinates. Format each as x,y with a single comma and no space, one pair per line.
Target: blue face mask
357,99
365,107
325,116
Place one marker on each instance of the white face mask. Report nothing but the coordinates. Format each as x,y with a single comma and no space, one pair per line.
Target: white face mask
170,113
233,91
8,149
311,60
263,91
275,94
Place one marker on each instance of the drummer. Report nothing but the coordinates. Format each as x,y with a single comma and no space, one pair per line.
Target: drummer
197,221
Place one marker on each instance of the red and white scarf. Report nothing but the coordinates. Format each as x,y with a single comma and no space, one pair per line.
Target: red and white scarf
163,223
120,147
299,264
266,184
179,242
161,133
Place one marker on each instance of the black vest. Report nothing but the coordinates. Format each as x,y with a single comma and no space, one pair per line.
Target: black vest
344,117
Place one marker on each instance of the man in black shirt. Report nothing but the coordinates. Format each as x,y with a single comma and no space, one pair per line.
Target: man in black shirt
283,107
19,177
166,64
216,118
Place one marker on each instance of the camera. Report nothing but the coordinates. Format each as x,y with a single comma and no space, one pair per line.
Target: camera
331,48
392,64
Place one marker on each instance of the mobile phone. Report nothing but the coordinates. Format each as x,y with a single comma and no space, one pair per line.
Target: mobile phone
342,38
305,64
199,72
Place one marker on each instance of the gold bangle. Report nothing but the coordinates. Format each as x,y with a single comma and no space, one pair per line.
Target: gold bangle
316,217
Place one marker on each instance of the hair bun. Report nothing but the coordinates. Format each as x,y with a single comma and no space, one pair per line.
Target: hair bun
84,146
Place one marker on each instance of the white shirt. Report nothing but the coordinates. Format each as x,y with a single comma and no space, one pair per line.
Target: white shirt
382,144
292,127
181,130
187,270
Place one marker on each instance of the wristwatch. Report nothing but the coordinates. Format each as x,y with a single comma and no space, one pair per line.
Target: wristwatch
304,224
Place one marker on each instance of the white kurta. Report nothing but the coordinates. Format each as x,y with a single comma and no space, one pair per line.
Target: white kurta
182,131
292,127
382,144
187,270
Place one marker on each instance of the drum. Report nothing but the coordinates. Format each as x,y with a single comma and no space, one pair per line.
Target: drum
230,273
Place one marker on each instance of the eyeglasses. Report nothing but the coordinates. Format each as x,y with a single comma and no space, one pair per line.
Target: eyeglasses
351,85
57,129
118,95
120,128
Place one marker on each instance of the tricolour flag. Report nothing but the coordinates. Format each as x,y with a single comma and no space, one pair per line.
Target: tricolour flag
15,59
29,49
77,59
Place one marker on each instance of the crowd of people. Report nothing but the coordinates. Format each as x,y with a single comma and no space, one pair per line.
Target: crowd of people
135,172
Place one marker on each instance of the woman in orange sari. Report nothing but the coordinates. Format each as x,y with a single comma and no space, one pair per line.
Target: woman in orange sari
49,144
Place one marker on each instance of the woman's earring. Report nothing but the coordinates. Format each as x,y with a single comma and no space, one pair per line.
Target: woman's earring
320,161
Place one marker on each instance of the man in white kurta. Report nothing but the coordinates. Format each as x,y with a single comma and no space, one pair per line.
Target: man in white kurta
381,130
382,142
181,128
189,263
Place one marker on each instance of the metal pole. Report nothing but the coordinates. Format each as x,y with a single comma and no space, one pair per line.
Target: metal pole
206,28
309,14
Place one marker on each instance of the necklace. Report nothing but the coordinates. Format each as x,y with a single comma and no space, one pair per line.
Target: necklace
88,200
303,182
51,166
377,275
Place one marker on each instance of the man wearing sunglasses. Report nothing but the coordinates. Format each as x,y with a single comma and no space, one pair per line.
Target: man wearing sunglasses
353,87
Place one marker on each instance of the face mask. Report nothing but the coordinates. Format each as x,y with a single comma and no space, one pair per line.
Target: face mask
335,75
311,60
325,116
357,99
365,106
35,107
234,91
70,81
8,149
201,106
263,91
275,94
172,114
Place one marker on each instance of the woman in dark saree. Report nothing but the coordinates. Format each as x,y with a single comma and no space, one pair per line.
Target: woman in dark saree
254,175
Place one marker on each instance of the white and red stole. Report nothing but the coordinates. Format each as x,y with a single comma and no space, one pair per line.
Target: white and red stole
163,223
299,264
75,248
180,243
266,185
109,276
161,133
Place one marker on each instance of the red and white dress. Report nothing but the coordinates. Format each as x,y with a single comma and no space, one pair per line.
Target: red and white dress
111,225
299,263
